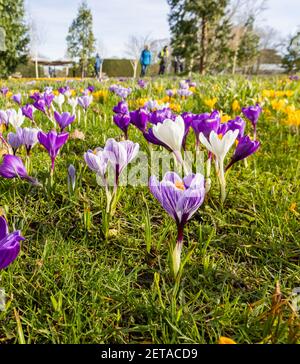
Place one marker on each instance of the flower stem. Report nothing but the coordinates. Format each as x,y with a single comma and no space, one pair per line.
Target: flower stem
181,161
176,255
208,170
222,180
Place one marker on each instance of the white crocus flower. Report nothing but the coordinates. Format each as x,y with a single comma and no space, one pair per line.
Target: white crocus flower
171,133
73,101
220,147
15,118
68,93
59,100
163,106
3,117
151,105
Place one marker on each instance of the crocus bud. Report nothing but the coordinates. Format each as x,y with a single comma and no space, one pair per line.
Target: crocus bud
71,177
176,257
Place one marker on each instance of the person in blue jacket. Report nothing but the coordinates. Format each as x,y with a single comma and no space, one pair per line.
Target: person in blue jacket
97,66
145,60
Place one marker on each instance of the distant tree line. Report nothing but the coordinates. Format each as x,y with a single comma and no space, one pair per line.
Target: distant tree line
211,36
215,36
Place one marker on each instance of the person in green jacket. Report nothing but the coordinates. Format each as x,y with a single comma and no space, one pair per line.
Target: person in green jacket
163,56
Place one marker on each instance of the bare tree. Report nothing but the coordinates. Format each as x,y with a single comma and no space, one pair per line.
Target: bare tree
269,41
134,47
37,37
269,37
240,11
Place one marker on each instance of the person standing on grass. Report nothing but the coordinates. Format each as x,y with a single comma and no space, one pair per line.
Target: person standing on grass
145,60
163,56
97,66
178,65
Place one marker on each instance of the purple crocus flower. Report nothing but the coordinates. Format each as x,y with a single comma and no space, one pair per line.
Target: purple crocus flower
91,88
17,98
142,83
184,84
140,118
64,119
252,113
184,92
170,93
113,87
122,121
121,91
206,123
28,110
294,78
158,116
116,154
244,149
120,154
71,177
62,90
223,129
48,89
4,90
181,198
14,141
36,96
40,104
52,142
28,137
48,97
97,162
122,117
9,244
237,123
13,167
188,118
85,101
121,108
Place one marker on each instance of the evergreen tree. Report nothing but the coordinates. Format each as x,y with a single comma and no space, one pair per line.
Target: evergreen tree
14,36
80,39
200,31
291,60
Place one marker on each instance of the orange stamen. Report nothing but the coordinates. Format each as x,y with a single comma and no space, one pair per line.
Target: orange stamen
180,185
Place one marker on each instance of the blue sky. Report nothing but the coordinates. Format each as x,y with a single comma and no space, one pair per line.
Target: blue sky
116,20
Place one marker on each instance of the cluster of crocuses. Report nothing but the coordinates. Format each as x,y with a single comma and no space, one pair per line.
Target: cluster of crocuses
180,197
12,166
122,92
163,127
109,163
184,89
160,126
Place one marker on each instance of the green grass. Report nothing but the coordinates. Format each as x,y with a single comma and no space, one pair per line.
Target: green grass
69,286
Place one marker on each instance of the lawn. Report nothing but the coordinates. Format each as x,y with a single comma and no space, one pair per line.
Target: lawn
71,285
